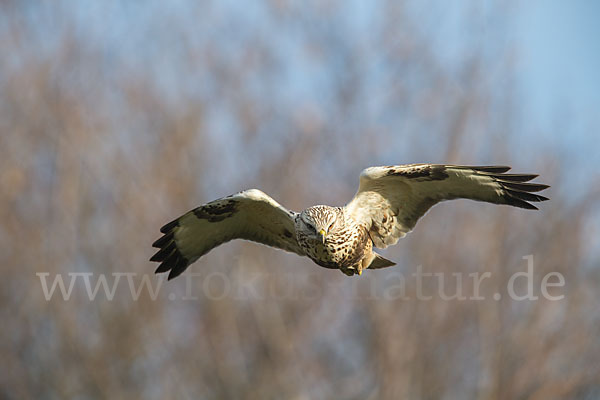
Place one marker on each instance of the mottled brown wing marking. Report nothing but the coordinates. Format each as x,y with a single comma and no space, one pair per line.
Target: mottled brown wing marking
420,173
216,212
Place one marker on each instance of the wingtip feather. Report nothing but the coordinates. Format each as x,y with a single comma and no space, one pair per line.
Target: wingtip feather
163,240
514,177
522,195
170,226
497,169
512,201
525,187
178,268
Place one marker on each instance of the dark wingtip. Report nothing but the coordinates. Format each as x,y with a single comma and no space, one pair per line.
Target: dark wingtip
168,255
164,253
178,268
169,227
163,240
496,169
521,195
175,264
521,199
512,201
515,177
162,268
517,192
525,187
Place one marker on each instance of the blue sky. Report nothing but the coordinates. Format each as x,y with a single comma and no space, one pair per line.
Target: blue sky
557,50
559,64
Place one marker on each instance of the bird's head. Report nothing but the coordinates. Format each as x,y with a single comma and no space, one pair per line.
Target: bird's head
319,221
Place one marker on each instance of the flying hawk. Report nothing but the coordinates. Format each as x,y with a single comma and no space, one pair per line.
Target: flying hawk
389,202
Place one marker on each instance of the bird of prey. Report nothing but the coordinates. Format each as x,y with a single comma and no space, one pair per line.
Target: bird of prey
389,202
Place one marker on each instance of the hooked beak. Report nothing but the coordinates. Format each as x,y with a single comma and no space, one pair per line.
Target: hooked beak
323,235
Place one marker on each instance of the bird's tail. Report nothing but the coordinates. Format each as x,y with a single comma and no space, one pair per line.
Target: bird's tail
377,262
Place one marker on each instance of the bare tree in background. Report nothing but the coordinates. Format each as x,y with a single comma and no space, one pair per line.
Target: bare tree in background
117,118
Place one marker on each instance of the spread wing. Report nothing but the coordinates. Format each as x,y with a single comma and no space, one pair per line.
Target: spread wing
250,215
390,200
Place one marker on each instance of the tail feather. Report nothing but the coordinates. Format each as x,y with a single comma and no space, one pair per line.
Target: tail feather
378,261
